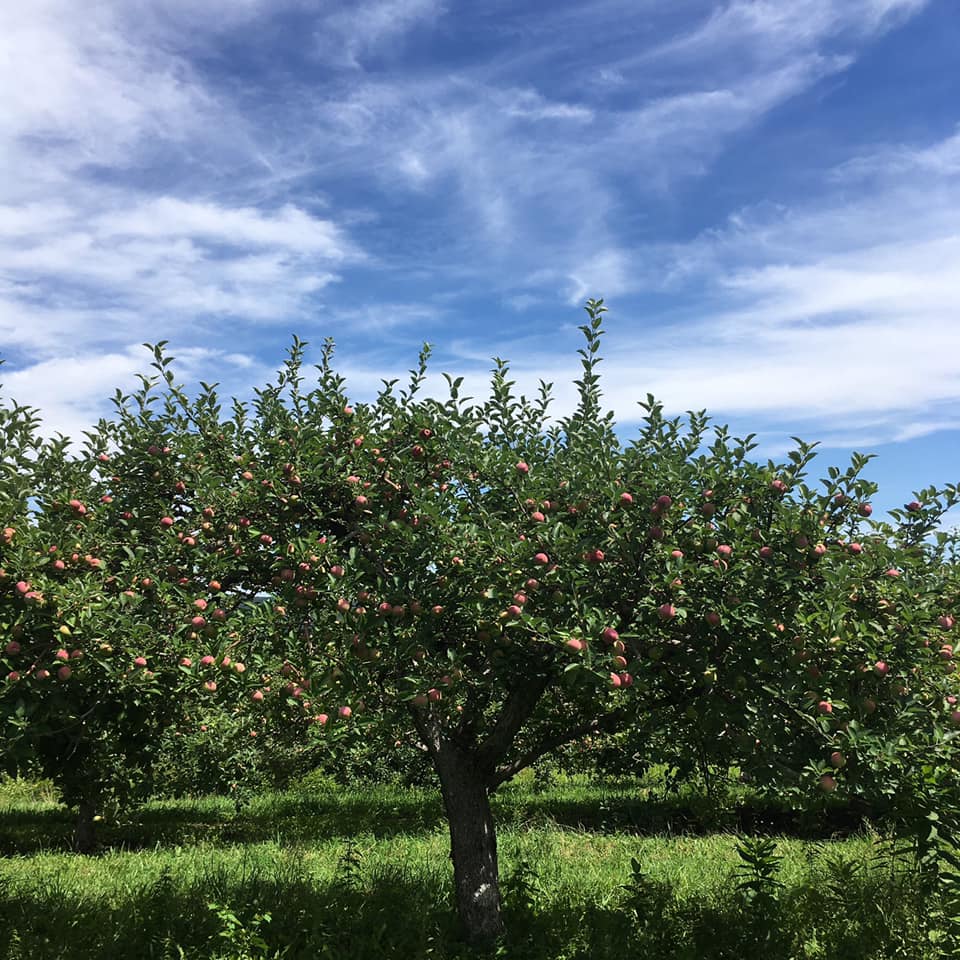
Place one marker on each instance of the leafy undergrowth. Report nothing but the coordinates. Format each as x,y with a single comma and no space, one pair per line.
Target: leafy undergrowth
331,872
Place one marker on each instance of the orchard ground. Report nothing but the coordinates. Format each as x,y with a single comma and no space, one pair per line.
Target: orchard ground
593,868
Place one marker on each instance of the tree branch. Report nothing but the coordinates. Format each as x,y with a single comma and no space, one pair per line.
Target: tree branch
517,709
604,724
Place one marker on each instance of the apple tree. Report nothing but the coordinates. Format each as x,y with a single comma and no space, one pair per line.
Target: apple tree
490,584
493,585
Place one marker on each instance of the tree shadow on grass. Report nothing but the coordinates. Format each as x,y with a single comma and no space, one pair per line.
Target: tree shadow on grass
285,819
303,818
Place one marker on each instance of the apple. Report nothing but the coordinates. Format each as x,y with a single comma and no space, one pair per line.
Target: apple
521,467
257,696
913,506
166,521
64,673
766,553
676,554
609,635
819,550
946,621
615,680
724,549
12,648
206,661
778,485
336,570
541,559
713,618
574,644
210,685
186,662
13,676
881,669
537,516
62,655
837,759
140,662
666,611
626,499
865,509
827,783
825,707
345,712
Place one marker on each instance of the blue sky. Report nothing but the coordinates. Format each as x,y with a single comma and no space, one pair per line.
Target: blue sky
766,193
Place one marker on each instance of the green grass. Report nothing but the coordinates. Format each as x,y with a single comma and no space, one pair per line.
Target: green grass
365,872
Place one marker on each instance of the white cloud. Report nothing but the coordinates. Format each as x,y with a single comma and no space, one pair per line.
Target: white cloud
347,35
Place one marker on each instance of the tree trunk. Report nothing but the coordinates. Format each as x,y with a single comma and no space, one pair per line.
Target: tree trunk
84,837
473,845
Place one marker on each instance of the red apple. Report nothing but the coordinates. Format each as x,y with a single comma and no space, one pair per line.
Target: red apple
666,611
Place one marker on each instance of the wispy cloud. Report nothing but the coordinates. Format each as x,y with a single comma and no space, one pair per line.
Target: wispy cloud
346,35
176,171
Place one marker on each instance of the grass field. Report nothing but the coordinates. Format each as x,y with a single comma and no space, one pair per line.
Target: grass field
590,871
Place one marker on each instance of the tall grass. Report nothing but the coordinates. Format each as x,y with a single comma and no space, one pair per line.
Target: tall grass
325,871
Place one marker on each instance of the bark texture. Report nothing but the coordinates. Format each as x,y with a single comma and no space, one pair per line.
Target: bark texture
473,844
84,837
